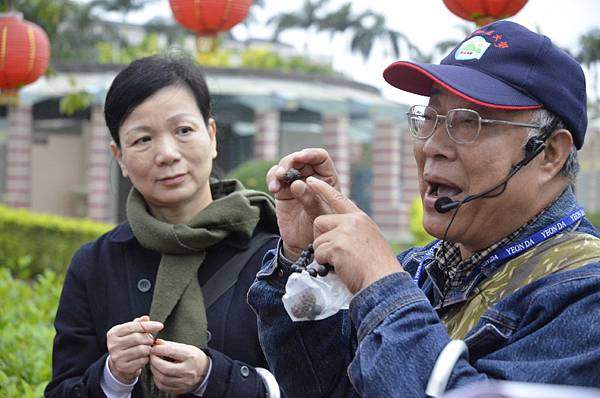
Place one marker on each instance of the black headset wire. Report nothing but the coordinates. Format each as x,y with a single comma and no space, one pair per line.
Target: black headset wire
546,132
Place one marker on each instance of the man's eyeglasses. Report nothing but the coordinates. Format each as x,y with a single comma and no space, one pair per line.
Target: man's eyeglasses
462,125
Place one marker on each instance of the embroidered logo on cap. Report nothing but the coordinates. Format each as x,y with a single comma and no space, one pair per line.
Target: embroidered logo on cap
471,49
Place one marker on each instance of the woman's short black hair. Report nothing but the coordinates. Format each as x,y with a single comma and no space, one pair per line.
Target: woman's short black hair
144,77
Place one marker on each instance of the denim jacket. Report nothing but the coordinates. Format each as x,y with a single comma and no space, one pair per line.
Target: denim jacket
386,344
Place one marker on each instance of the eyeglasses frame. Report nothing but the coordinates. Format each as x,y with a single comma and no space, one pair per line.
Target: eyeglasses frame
481,121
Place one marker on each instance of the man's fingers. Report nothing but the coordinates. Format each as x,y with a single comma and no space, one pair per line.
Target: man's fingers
311,161
273,183
337,201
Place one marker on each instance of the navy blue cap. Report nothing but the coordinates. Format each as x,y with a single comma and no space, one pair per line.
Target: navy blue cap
504,65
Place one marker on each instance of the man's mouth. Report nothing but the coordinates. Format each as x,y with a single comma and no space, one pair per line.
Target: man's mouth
440,190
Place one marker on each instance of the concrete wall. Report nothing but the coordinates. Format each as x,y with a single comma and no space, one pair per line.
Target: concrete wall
58,170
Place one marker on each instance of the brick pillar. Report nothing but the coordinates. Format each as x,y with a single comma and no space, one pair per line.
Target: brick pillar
18,161
98,168
336,142
266,140
386,199
409,182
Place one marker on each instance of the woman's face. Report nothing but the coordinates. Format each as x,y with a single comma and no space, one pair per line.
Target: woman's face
167,150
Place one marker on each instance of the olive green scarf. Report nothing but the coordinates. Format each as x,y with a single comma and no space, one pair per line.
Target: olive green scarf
177,300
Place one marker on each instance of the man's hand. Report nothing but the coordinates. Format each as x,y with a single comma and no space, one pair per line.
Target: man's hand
177,368
129,347
297,206
350,241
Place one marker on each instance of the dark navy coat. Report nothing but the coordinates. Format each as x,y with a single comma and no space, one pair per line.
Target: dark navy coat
110,281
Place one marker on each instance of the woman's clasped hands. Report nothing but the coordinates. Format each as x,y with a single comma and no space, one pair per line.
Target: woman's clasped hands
176,368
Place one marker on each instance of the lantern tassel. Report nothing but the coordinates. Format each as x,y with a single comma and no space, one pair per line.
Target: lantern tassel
207,44
9,97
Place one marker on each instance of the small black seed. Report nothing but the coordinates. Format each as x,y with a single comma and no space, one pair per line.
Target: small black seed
291,175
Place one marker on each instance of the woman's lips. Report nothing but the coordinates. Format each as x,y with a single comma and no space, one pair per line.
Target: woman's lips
172,180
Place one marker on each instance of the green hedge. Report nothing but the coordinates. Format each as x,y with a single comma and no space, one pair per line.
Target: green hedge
32,242
26,332
253,174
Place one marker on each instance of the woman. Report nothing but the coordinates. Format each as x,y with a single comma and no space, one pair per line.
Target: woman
157,306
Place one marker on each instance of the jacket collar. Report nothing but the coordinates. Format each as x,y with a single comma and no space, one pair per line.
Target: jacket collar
121,234
561,206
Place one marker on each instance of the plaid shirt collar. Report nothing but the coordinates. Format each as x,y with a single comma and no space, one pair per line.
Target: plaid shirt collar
452,271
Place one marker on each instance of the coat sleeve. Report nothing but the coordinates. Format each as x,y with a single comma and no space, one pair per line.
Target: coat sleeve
77,359
231,379
547,344
309,359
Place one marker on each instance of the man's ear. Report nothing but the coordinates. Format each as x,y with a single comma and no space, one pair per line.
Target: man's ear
557,151
116,151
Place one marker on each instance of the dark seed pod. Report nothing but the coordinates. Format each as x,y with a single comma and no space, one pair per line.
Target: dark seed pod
306,307
291,175
320,269
304,259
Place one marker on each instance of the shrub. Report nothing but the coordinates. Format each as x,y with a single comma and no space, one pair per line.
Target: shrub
26,333
594,219
32,242
253,174
420,236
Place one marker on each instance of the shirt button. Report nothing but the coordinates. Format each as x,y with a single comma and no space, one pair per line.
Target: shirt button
208,336
245,372
144,285
280,272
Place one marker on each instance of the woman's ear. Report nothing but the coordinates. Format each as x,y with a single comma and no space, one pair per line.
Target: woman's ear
557,151
212,133
116,151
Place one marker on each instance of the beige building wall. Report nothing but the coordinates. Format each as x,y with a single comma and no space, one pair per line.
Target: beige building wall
58,170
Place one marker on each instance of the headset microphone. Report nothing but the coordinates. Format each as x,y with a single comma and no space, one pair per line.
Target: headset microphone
534,146
445,204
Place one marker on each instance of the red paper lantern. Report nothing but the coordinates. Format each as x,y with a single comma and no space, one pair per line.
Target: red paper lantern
24,54
209,17
483,12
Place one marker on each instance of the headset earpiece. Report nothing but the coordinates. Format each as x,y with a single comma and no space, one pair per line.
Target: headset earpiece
533,147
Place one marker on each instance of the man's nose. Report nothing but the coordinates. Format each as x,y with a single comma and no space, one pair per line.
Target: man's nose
439,143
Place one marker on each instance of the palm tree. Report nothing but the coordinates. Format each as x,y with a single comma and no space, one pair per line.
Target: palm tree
123,6
305,18
71,26
370,28
366,28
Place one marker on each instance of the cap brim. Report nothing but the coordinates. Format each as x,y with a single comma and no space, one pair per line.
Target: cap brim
467,83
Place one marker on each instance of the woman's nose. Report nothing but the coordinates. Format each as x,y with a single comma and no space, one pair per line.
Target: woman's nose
167,151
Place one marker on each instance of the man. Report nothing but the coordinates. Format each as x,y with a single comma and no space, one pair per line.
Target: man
515,272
